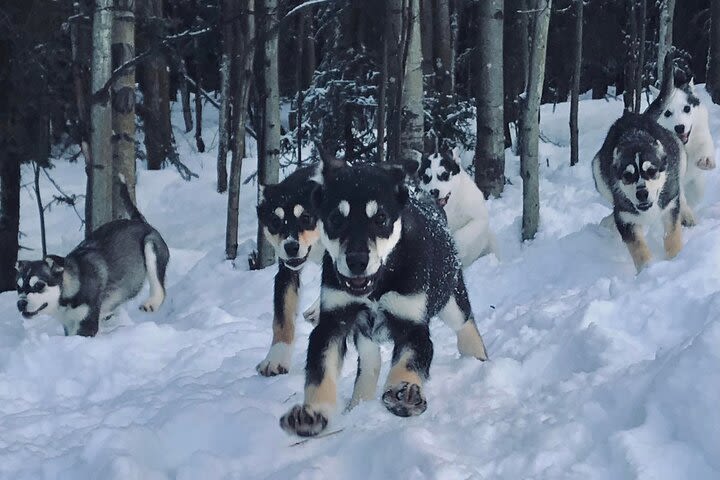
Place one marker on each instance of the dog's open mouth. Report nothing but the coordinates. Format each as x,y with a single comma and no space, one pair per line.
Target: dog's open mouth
444,200
296,262
684,137
645,206
358,285
27,314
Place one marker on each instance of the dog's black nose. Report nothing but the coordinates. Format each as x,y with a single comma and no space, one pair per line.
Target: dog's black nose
357,262
642,194
22,304
435,192
680,129
292,247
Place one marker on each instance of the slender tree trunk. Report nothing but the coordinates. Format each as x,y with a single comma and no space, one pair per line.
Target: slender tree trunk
123,103
382,100
428,21
530,121
395,72
642,17
100,174
41,209
269,164
517,53
575,92
713,63
227,13
309,56
411,137
198,100
9,210
632,57
665,34
245,53
442,44
299,87
184,94
490,147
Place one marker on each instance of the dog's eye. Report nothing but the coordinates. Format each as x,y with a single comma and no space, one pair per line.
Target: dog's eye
276,223
686,109
380,219
40,286
628,177
336,220
444,177
305,221
651,172
667,113
426,179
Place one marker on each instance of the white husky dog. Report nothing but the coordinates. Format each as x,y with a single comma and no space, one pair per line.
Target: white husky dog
442,175
688,119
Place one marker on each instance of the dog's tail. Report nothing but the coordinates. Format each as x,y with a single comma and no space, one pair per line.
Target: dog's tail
660,104
130,207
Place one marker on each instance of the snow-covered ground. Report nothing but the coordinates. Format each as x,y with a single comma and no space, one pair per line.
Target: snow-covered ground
595,373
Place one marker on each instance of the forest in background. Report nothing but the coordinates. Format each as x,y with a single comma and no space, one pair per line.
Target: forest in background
93,82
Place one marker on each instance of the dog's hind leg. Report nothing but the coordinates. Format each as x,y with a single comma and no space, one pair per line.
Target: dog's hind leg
156,258
368,369
277,360
457,314
687,216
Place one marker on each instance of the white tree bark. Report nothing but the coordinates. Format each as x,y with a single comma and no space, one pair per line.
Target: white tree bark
530,124
269,165
490,148
411,135
665,34
100,171
226,14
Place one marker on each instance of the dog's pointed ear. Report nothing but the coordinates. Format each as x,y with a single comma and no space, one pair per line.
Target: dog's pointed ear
56,263
20,265
399,175
654,90
330,161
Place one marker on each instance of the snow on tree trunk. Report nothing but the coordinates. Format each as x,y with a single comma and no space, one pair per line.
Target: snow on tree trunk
411,135
269,164
640,67
490,147
530,124
442,44
100,174
575,91
245,48
665,34
123,103
713,64
227,13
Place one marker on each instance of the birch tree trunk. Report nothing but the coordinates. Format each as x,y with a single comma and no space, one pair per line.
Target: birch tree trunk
713,64
516,50
665,34
631,59
575,91
227,13
530,124
393,43
100,174
640,67
269,164
184,94
489,150
245,47
123,103
411,137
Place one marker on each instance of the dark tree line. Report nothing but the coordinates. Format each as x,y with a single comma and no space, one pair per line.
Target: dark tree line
379,80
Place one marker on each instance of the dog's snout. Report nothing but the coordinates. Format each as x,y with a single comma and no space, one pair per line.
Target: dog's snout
642,194
292,247
22,304
680,128
435,192
357,262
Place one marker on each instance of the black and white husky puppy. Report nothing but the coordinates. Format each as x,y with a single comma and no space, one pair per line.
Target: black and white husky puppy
639,169
390,265
290,226
105,270
688,118
442,176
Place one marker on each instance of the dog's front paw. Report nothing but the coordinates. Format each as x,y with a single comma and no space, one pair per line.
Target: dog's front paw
277,361
405,400
706,163
151,305
304,421
687,218
270,368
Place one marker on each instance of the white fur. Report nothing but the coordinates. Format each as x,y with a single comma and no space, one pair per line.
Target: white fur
466,212
157,292
280,213
50,295
344,208
407,307
33,281
312,314
298,210
370,362
20,283
333,299
71,318
451,315
371,208
278,356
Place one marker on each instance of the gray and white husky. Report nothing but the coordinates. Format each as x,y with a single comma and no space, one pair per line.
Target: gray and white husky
688,119
105,270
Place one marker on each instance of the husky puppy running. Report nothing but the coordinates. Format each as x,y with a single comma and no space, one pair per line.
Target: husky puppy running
442,176
688,118
639,169
390,265
107,269
292,229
